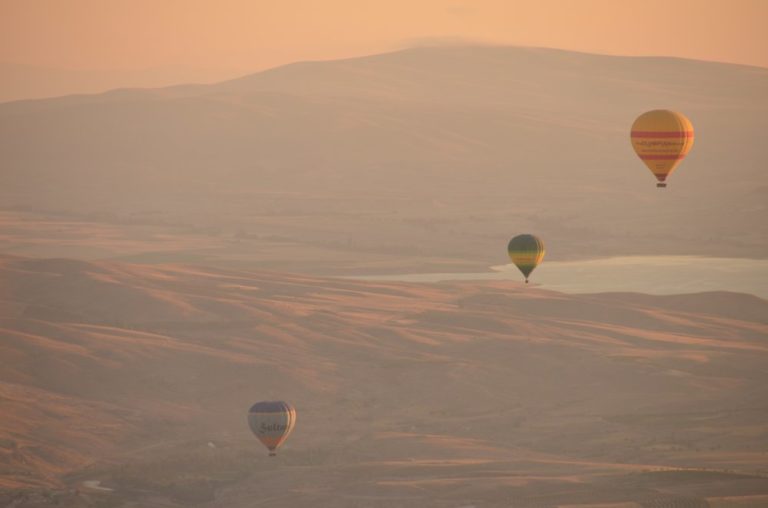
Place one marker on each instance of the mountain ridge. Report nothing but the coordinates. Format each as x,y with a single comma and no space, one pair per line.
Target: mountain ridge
250,76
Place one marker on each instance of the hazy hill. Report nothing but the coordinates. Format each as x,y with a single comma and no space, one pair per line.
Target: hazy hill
424,152
486,394
19,82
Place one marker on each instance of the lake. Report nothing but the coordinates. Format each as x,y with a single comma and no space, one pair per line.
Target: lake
644,274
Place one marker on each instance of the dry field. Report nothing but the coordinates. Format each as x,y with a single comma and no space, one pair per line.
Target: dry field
448,394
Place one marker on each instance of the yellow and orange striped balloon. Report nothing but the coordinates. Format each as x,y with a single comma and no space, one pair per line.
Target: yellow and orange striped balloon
662,138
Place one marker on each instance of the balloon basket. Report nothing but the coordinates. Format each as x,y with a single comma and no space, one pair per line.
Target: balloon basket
272,454
661,185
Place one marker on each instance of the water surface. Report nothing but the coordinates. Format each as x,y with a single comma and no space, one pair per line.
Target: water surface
644,274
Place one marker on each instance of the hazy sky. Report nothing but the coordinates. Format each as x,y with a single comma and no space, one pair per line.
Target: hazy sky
221,38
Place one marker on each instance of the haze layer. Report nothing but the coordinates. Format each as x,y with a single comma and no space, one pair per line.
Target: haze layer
425,159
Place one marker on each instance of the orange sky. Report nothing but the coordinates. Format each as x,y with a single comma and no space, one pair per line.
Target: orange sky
222,38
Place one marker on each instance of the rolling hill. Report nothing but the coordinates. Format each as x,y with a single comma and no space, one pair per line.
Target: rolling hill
448,394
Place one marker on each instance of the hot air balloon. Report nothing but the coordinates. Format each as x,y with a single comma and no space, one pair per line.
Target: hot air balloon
526,252
662,138
272,422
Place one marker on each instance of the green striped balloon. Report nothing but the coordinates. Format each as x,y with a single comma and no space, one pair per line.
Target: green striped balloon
526,252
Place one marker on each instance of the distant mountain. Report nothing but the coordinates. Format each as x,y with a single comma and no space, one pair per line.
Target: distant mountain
140,377
24,82
475,142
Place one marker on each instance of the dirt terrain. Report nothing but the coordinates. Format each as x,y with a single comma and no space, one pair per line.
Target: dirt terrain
127,385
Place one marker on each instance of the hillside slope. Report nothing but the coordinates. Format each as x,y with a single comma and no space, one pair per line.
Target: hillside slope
428,152
407,394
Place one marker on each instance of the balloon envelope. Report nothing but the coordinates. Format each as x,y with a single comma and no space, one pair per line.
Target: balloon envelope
272,422
662,138
526,252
